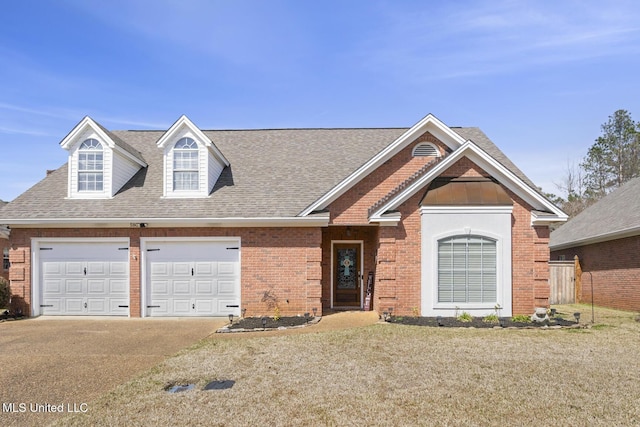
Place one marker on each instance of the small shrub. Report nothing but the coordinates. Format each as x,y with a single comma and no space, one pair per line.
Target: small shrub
465,317
5,293
276,314
415,311
491,318
521,318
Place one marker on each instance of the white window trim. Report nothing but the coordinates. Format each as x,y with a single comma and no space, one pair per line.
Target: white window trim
92,150
197,170
438,223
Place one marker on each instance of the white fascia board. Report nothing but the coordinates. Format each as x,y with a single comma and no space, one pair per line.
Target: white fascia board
541,220
429,123
605,237
470,150
184,121
168,222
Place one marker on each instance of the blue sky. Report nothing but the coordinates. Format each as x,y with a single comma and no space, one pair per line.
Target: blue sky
538,77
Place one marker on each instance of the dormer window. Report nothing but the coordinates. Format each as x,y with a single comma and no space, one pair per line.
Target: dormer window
185,165
90,166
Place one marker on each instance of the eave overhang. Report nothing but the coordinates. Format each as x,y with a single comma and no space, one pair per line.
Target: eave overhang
500,173
312,221
604,237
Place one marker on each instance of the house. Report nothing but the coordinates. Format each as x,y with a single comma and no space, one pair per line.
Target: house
606,239
186,222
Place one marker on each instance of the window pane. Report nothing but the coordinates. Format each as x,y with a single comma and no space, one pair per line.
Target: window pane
185,160
185,180
467,269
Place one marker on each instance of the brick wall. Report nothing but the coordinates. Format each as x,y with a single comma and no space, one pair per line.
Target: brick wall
613,268
352,207
286,262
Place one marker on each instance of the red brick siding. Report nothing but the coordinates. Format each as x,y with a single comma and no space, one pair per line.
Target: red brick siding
270,258
352,207
614,267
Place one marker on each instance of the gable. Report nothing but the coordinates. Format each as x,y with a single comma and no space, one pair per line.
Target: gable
193,172
352,207
99,163
477,163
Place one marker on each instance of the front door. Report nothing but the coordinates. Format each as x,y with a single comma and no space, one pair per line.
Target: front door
346,275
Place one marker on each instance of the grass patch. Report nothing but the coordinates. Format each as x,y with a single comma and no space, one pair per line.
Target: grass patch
389,375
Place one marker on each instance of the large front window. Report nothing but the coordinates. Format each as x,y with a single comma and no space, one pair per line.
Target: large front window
185,165
90,166
467,270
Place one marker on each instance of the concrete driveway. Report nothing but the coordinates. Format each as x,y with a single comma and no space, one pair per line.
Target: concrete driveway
47,364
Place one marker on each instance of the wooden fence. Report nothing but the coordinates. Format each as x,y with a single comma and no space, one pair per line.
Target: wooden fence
562,280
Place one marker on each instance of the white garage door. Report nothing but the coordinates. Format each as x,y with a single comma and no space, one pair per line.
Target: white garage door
89,278
193,278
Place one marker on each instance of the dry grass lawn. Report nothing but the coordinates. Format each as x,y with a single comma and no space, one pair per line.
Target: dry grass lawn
395,375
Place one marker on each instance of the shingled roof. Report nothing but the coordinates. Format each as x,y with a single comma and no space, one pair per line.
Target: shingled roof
272,173
617,215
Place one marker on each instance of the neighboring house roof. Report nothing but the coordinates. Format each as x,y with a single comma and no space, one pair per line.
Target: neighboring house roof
4,230
615,216
276,173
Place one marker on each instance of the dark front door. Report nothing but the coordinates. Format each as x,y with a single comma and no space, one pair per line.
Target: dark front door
346,275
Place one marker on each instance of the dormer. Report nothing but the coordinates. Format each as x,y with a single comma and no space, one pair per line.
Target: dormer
100,164
192,162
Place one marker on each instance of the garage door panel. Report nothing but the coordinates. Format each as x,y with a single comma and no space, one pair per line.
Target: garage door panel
53,268
226,287
84,278
52,286
205,269
182,287
159,268
193,271
205,287
97,286
73,286
226,268
182,269
118,287
97,305
74,306
205,306
119,305
96,268
181,307
160,287
228,306
74,269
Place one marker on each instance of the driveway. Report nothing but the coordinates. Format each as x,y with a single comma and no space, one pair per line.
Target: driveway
48,364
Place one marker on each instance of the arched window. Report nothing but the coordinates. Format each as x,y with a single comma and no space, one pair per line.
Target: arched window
467,269
185,165
425,149
90,166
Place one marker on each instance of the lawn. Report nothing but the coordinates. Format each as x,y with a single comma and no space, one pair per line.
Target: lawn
390,374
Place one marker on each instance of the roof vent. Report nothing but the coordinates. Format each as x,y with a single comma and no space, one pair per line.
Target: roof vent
426,150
